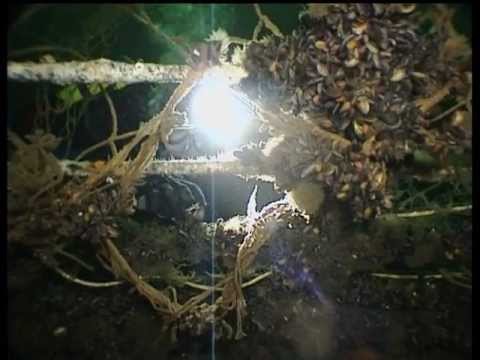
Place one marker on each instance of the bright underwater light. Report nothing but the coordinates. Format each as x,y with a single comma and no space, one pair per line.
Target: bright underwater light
219,113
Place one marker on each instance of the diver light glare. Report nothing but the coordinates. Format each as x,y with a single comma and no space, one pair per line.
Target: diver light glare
219,113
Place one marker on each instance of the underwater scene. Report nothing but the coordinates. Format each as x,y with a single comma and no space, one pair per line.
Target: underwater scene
239,181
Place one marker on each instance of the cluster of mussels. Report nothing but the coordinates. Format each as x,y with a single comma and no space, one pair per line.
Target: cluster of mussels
355,70
358,61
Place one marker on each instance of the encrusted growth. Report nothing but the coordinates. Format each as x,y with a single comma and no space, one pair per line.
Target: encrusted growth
357,84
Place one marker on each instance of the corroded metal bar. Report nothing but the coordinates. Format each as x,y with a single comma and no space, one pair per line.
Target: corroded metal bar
96,71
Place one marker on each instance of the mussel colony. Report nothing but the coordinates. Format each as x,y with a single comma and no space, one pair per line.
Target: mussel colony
364,73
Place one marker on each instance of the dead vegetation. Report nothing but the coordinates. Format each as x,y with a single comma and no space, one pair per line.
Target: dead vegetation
333,137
